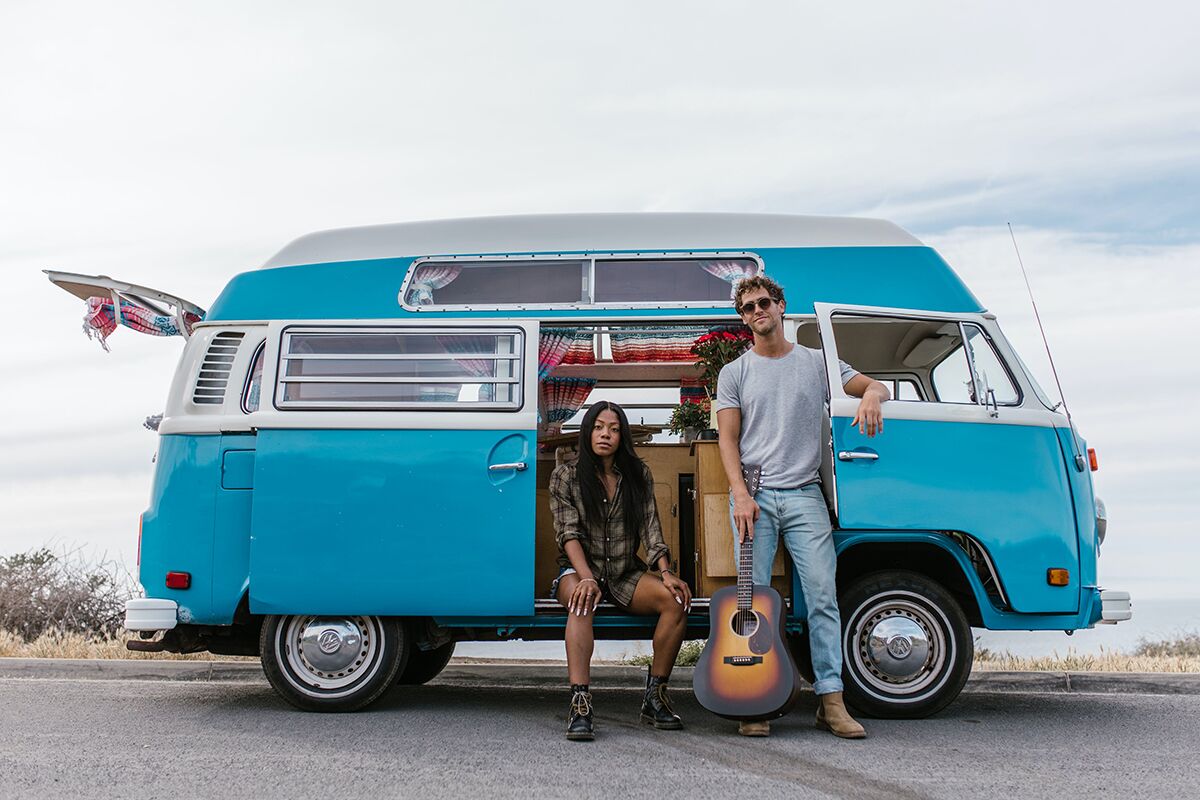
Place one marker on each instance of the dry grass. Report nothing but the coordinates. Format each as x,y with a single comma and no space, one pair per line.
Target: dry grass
1178,654
1104,661
54,644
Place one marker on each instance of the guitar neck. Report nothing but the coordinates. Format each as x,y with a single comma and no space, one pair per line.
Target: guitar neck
745,577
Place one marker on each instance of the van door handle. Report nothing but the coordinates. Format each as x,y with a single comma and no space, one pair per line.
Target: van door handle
519,466
854,455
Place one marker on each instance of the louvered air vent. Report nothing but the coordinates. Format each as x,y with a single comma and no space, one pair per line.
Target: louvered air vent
214,372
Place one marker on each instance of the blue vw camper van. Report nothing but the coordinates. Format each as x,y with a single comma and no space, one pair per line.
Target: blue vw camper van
353,464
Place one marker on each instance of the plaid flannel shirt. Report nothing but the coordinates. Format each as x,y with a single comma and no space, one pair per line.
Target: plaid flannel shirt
610,547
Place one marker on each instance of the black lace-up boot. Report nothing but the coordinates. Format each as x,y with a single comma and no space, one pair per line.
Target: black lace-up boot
579,722
656,710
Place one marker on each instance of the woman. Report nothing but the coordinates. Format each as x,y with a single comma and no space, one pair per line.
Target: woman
603,507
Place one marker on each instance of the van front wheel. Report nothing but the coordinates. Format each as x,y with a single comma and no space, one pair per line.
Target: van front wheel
906,644
332,663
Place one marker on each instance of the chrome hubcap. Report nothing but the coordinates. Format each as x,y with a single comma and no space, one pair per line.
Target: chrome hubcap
899,646
331,652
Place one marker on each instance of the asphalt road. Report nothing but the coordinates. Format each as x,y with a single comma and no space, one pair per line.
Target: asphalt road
81,738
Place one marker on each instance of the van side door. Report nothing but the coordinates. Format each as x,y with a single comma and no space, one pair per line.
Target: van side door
977,453
394,471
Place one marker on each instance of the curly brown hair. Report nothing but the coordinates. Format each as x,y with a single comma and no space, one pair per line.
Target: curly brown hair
757,282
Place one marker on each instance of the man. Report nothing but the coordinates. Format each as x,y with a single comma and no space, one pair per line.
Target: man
770,404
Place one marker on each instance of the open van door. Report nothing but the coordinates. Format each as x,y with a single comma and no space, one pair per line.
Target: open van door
395,467
966,454
112,303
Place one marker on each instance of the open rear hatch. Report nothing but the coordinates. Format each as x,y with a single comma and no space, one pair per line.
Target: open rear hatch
111,303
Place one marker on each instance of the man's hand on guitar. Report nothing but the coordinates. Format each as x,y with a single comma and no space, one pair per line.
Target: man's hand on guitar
585,598
677,587
745,514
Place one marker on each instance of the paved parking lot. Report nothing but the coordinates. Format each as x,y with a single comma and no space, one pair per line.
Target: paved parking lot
83,738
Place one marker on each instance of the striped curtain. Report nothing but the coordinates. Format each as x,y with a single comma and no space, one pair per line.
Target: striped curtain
429,278
654,343
563,397
692,390
553,345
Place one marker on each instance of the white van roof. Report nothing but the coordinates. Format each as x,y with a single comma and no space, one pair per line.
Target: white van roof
574,233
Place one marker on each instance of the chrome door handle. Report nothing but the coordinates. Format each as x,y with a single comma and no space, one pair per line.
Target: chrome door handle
519,466
853,455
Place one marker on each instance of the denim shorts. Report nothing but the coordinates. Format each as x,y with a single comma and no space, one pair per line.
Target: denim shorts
605,597
554,583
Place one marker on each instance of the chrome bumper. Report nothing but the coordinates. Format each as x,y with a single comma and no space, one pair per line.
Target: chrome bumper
1115,607
146,614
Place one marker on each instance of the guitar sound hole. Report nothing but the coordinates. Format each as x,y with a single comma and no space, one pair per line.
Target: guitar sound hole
744,623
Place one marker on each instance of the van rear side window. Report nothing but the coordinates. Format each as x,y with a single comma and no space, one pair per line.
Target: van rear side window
396,368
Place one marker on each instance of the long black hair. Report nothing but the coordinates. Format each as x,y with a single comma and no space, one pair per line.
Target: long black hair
634,486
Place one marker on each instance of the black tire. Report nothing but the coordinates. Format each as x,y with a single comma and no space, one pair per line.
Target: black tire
906,645
331,663
802,655
424,665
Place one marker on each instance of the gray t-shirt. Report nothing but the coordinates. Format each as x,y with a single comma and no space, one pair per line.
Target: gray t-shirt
782,402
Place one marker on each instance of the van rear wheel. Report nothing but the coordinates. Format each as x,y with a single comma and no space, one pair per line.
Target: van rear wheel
425,665
906,644
332,663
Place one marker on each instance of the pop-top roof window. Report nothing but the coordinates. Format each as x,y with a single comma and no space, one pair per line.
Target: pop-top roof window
488,283
461,283
669,280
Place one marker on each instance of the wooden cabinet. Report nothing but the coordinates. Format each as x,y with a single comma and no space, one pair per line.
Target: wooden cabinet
715,567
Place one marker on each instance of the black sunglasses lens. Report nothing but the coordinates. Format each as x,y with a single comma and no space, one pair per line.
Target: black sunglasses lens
763,304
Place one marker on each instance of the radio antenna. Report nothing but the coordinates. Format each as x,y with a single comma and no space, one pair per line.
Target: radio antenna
1046,342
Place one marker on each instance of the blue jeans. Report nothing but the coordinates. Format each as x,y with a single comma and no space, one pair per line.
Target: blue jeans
800,516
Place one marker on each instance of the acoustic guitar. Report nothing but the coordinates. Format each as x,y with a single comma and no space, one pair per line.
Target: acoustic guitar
746,671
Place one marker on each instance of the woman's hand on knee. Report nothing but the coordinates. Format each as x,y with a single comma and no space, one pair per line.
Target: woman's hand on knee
585,597
678,589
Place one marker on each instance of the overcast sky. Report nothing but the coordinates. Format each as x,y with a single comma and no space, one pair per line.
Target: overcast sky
175,144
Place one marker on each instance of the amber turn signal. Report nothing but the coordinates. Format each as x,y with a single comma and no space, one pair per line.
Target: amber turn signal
179,580
1093,462
1058,577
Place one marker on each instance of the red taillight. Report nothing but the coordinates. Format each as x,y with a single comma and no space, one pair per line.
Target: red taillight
1092,460
179,580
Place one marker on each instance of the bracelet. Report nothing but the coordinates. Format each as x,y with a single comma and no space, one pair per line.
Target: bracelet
593,580
666,571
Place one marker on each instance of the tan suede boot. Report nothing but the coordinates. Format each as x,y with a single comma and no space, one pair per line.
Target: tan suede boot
754,728
832,716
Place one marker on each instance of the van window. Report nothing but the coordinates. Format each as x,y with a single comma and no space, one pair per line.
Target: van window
502,282
389,368
253,391
669,280
952,381
930,354
901,388
988,368
542,282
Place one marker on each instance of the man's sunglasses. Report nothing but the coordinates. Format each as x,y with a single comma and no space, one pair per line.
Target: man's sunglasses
763,304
